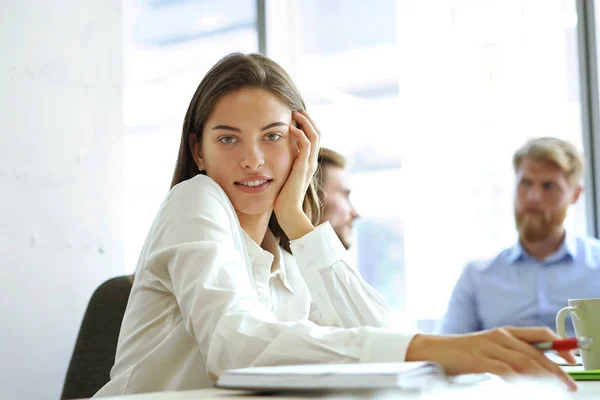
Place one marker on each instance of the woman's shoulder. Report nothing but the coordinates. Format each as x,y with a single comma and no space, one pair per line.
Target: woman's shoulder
198,190
200,185
197,195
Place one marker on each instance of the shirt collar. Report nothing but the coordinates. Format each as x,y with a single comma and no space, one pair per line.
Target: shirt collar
270,246
515,253
571,245
254,250
567,248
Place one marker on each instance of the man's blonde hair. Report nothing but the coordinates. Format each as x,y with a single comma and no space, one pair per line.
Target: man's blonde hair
556,151
327,158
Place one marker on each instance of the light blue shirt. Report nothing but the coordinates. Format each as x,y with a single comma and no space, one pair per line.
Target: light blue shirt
515,289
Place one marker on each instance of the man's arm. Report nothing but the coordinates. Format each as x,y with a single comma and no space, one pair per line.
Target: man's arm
462,315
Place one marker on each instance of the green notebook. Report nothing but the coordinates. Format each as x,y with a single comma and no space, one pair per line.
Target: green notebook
579,374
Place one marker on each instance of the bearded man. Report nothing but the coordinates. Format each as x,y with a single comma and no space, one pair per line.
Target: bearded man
526,284
333,190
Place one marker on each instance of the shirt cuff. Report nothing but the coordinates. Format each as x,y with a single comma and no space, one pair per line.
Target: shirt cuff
318,249
385,345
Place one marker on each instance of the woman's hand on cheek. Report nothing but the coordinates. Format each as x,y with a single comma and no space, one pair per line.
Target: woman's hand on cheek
288,205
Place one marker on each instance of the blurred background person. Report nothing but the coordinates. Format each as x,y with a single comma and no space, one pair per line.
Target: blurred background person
334,193
528,283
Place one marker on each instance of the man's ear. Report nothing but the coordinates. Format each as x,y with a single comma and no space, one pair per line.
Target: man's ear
576,193
196,150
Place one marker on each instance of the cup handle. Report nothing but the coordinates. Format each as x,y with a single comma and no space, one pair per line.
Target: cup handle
560,320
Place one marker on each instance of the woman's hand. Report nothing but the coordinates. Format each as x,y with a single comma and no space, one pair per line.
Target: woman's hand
503,351
288,205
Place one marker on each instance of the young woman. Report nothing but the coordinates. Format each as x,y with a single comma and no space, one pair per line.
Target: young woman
234,272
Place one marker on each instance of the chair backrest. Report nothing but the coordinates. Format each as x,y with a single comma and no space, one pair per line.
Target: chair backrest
96,345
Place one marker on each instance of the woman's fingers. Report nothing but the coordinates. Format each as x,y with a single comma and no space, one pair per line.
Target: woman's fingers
304,146
528,359
537,334
498,368
311,133
532,334
517,361
568,356
305,114
514,361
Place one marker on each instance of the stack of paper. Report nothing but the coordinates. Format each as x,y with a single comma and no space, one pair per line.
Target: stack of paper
404,375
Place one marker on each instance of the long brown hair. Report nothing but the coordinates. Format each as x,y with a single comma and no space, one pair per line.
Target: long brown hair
232,73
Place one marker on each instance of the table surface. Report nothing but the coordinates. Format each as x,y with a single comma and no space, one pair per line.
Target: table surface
497,389
489,386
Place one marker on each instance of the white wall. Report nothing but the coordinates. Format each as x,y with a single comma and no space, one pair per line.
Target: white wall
61,139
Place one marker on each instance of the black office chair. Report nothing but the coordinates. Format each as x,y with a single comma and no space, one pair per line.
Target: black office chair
96,345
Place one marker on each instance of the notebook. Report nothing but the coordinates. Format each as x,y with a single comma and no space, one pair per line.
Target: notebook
579,374
318,377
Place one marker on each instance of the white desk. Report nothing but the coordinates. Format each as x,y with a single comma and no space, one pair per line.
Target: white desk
587,390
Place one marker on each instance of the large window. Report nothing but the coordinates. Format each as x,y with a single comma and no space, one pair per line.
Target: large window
428,99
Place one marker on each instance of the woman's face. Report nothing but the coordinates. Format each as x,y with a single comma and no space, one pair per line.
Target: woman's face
247,148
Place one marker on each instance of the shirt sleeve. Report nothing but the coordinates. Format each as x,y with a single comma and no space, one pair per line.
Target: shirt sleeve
342,297
461,315
196,254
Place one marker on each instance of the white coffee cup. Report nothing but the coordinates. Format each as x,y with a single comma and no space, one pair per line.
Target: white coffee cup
585,315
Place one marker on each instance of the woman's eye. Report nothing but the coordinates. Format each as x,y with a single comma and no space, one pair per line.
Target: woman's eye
227,140
273,136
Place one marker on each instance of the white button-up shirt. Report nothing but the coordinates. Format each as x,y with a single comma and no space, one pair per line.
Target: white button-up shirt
207,298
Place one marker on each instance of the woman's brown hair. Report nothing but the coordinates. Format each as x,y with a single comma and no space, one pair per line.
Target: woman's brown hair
232,73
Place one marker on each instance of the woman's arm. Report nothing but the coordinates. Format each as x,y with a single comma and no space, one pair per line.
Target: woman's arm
198,255
342,297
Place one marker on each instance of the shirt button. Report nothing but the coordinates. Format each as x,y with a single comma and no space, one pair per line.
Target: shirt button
299,248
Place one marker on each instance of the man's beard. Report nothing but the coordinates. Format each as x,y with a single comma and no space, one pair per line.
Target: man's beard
537,227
